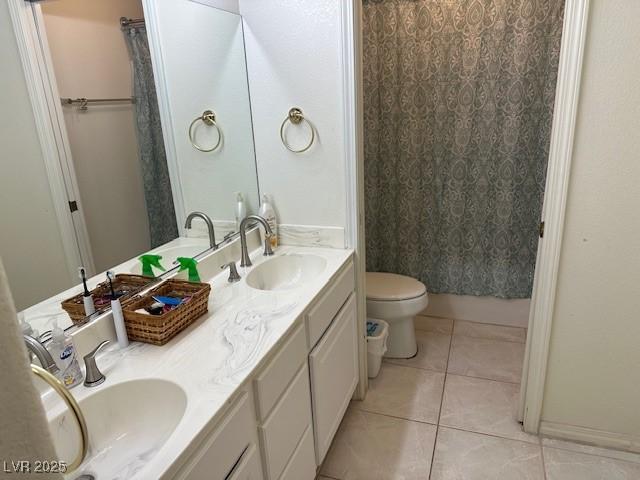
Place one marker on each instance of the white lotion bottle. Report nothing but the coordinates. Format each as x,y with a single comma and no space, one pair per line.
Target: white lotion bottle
240,211
269,214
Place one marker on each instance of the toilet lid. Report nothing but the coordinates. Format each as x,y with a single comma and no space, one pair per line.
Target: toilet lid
391,286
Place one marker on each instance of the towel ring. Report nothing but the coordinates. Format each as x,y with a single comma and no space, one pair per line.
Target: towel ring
75,409
295,116
209,119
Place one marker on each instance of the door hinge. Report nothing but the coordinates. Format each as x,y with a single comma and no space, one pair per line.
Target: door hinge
73,206
541,229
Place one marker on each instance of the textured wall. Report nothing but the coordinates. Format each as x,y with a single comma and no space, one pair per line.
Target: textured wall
90,59
594,364
294,58
30,241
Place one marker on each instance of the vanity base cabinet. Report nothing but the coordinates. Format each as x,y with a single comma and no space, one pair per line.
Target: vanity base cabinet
334,375
302,465
282,431
231,450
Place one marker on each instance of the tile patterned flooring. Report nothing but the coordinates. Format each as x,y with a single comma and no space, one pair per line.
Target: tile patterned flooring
450,414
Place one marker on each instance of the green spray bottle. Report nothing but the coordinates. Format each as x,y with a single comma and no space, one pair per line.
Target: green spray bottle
148,261
189,264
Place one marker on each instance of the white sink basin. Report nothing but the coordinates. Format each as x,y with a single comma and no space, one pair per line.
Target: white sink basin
127,423
286,272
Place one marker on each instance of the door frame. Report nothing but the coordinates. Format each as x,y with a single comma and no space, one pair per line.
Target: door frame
351,11
534,369
43,91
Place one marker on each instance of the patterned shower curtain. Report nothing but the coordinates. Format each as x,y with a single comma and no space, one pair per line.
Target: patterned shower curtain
155,173
457,116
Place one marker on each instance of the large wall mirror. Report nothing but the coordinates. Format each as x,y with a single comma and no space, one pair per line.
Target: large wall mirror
154,124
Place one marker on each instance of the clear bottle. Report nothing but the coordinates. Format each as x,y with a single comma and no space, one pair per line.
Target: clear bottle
64,353
268,213
241,210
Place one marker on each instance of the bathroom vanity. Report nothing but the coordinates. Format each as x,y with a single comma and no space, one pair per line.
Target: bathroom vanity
254,389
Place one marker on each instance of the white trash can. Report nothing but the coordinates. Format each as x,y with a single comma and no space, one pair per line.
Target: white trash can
377,335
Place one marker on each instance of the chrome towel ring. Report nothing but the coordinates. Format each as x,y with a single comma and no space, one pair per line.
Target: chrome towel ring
209,119
295,116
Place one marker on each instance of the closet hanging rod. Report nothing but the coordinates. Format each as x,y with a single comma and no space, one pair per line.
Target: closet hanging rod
131,22
83,103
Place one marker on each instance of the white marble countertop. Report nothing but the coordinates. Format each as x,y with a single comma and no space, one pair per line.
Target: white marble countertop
212,358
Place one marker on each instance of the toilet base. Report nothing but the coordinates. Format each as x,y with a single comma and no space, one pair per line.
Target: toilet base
402,338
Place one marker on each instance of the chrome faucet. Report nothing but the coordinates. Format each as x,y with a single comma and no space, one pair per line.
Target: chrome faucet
207,220
42,354
93,376
245,261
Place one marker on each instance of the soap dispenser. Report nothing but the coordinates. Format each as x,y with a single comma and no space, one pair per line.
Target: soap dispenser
64,353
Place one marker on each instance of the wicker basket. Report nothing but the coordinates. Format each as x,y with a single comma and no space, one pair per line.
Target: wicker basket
159,329
131,284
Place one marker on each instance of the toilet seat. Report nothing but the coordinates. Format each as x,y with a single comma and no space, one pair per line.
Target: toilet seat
396,299
392,287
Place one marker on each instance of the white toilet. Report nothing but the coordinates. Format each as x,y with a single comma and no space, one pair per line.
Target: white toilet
396,299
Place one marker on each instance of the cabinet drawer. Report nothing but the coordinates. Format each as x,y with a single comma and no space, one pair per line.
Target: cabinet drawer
302,465
281,432
334,375
320,315
220,453
248,468
270,384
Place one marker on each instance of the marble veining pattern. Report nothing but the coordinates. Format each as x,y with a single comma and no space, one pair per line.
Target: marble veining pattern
404,392
461,455
483,406
486,358
306,235
377,447
213,357
566,465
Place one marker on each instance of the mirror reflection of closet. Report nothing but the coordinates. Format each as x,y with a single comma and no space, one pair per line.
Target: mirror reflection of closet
131,173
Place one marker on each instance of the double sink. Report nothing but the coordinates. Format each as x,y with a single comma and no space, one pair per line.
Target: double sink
128,422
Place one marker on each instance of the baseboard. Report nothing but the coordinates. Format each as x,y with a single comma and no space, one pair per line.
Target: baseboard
598,438
499,311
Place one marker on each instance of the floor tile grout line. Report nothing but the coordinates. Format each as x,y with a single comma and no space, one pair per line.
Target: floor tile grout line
544,463
493,435
361,409
483,378
444,385
449,373
453,320
488,338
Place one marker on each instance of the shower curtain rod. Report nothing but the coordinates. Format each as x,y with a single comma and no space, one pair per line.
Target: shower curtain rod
131,22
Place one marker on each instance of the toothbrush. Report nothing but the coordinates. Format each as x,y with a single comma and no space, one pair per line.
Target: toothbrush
87,299
118,317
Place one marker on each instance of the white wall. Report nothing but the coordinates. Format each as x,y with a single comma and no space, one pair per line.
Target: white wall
91,60
294,58
593,378
204,69
228,5
30,241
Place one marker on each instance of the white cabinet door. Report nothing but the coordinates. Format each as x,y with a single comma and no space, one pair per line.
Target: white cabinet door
248,468
334,375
